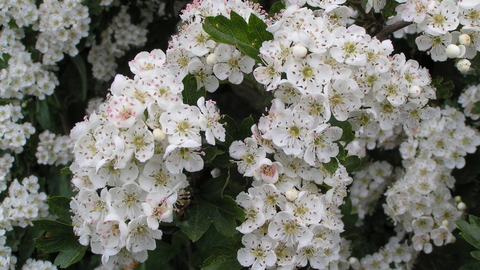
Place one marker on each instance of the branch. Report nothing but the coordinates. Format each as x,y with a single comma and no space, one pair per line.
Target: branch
382,35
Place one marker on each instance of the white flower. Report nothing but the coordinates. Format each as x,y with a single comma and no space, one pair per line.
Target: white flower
320,144
258,252
182,123
212,127
290,130
250,155
140,237
254,216
179,158
285,228
231,64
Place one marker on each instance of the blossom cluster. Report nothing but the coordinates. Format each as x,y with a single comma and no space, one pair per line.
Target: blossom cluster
448,29
32,264
7,260
53,149
12,134
116,39
468,98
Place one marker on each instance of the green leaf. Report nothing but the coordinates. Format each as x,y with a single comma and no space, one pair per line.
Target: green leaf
59,236
68,257
80,65
4,60
60,207
471,266
245,129
231,129
43,115
347,133
210,153
225,258
352,163
332,166
476,109
276,8
225,215
213,189
348,218
190,91
163,253
444,89
248,38
475,254
197,220
66,170
470,231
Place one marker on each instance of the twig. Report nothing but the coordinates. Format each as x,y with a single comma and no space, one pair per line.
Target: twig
382,35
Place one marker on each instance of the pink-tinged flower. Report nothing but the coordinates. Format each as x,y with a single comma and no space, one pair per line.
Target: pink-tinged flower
140,237
268,172
158,208
182,123
123,111
145,63
196,40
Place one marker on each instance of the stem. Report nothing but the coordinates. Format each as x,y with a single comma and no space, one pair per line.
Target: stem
382,35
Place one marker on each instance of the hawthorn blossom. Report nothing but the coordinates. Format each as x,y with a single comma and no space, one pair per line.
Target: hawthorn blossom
231,64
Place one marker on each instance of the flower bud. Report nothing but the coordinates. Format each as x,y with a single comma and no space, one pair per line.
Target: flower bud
458,199
445,223
463,65
212,59
452,51
461,206
415,91
215,172
158,135
353,260
299,51
464,39
291,194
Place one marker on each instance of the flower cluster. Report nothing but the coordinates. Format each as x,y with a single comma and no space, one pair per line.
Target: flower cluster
23,204
32,264
7,260
468,98
61,25
448,29
6,162
116,39
12,134
53,149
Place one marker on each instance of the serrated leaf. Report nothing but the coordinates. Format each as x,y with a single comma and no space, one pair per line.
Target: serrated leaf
245,129
60,207
235,31
59,236
227,211
444,89
163,253
276,8
470,232
231,129
197,220
210,153
352,163
80,65
190,92
222,262
332,166
68,257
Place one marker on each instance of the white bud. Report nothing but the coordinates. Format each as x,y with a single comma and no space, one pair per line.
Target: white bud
463,65
464,39
158,135
353,260
215,172
291,194
463,50
415,91
458,199
452,51
212,59
299,51
461,206
445,223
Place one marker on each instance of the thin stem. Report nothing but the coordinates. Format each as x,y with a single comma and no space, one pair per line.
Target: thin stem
382,35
